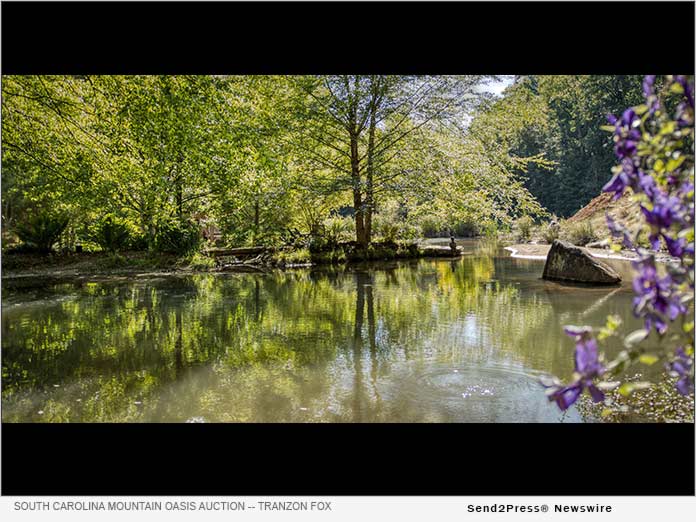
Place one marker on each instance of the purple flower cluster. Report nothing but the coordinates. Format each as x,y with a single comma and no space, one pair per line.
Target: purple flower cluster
587,368
649,92
655,161
656,298
667,209
680,367
626,134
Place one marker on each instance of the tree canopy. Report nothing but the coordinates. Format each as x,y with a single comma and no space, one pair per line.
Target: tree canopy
261,157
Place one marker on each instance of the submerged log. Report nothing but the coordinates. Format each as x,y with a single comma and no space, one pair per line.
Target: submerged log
567,262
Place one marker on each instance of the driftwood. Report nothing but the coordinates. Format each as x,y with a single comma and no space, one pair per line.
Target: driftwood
242,267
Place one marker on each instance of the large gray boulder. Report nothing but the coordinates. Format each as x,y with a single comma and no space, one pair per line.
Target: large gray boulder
567,262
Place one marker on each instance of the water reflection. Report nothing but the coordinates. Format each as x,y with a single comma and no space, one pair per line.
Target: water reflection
419,341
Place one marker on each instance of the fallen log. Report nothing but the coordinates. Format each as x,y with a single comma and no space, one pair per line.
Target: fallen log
239,251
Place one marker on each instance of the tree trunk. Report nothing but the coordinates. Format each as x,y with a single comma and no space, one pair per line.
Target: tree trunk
360,235
369,195
256,219
148,227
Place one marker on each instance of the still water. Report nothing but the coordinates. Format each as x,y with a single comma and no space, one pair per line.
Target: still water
430,340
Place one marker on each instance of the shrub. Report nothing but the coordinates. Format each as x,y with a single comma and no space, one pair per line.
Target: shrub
338,229
391,224
294,257
41,232
317,244
177,238
581,233
550,232
112,234
200,262
524,228
388,231
467,229
431,226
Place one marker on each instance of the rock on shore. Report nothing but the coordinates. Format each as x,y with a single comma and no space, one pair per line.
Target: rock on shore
567,262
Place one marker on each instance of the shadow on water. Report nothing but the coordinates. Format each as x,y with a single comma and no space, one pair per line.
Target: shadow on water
448,340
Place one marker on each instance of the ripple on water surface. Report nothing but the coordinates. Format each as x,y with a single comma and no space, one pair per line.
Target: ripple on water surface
484,393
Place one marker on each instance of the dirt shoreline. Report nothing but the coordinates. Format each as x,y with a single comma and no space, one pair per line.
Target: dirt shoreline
138,265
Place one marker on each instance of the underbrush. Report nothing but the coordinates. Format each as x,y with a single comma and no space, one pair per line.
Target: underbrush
348,252
197,261
293,257
580,233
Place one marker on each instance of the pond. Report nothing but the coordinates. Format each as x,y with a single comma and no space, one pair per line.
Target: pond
429,340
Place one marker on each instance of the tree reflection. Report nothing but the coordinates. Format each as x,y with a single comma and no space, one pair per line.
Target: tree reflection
323,344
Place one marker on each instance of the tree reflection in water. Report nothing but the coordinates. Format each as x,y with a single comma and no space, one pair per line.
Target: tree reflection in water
396,341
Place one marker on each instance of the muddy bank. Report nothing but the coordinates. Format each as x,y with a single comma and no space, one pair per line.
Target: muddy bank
136,264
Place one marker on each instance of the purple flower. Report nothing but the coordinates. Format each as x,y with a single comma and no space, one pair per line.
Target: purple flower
566,396
630,119
626,133
652,100
625,178
681,367
617,231
647,184
655,298
617,184
586,358
676,246
625,147
688,89
665,211
648,85
587,368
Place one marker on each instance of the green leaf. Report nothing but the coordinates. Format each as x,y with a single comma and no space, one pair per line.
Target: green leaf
626,389
648,358
668,128
641,109
674,164
608,128
659,166
676,88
